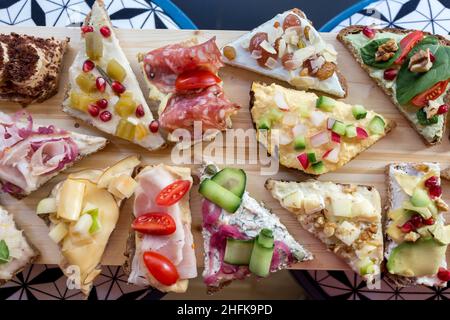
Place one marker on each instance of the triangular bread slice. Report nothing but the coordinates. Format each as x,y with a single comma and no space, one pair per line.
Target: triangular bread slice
345,217
126,114
50,150
82,212
289,48
314,134
431,131
15,250
246,222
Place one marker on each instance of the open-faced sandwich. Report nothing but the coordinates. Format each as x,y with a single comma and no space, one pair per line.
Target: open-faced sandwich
412,67
160,250
15,251
290,49
104,91
183,80
82,212
310,133
31,154
241,236
416,234
345,217
29,67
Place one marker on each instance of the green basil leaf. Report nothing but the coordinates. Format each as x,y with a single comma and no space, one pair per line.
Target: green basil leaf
4,252
368,54
410,84
428,42
422,118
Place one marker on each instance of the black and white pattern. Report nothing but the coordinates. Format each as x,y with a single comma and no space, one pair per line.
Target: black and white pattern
135,14
428,15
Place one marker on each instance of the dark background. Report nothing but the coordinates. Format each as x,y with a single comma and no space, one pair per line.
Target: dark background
247,14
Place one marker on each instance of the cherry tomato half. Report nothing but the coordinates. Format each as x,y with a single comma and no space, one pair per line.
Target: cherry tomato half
433,93
173,193
407,43
156,223
161,268
196,79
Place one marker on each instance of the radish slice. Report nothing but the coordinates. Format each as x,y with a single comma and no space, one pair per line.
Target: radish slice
335,137
317,118
361,133
303,159
319,139
280,101
330,123
300,130
332,155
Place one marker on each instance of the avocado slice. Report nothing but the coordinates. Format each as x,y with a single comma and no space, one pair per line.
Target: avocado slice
416,259
423,211
399,218
441,234
420,198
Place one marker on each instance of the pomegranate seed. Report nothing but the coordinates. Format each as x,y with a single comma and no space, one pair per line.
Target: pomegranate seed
428,222
407,227
432,57
93,110
443,109
105,31
431,182
105,116
140,111
88,65
416,221
369,32
101,84
435,191
390,74
154,126
86,29
443,274
102,103
118,87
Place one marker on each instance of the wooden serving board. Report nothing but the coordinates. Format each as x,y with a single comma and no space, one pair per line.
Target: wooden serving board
403,144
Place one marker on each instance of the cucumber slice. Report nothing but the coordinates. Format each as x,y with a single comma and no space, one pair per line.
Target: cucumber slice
318,167
300,143
325,103
264,124
350,131
339,128
232,179
376,125
219,195
262,253
311,157
238,252
359,112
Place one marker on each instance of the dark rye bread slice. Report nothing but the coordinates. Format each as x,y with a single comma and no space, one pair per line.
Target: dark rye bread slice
388,91
389,126
21,62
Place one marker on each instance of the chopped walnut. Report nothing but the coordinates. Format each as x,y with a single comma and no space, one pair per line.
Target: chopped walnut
412,236
319,222
420,61
329,229
373,228
432,108
441,205
386,51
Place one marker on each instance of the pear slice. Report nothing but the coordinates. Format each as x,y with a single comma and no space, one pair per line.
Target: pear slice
118,169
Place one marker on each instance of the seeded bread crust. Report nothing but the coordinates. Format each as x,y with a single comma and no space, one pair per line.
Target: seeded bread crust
389,92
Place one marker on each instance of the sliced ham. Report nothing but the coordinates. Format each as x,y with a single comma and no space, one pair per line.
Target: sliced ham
52,155
164,64
208,106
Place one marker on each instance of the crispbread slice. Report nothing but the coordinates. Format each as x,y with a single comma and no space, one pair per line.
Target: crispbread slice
98,17
388,91
334,214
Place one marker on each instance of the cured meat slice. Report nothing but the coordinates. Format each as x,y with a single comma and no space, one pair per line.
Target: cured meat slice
210,106
164,64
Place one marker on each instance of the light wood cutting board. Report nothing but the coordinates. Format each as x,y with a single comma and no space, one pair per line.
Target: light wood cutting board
403,144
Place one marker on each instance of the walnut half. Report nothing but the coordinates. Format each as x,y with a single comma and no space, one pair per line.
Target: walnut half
386,51
420,61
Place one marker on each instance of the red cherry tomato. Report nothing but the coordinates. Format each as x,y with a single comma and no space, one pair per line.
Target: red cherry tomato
156,223
407,43
173,193
161,268
291,20
196,79
433,93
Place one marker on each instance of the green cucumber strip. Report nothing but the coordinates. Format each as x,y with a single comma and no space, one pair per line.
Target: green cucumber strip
232,179
311,157
318,167
265,238
339,128
325,103
377,125
238,252
359,112
261,258
217,194
299,143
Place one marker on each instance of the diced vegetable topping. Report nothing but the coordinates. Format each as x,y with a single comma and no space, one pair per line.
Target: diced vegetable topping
264,124
325,103
377,125
312,157
318,167
262,253
238,252
339,128
350,131
299,143
126,130
359,112
115,70
94,45
47,205
303,159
